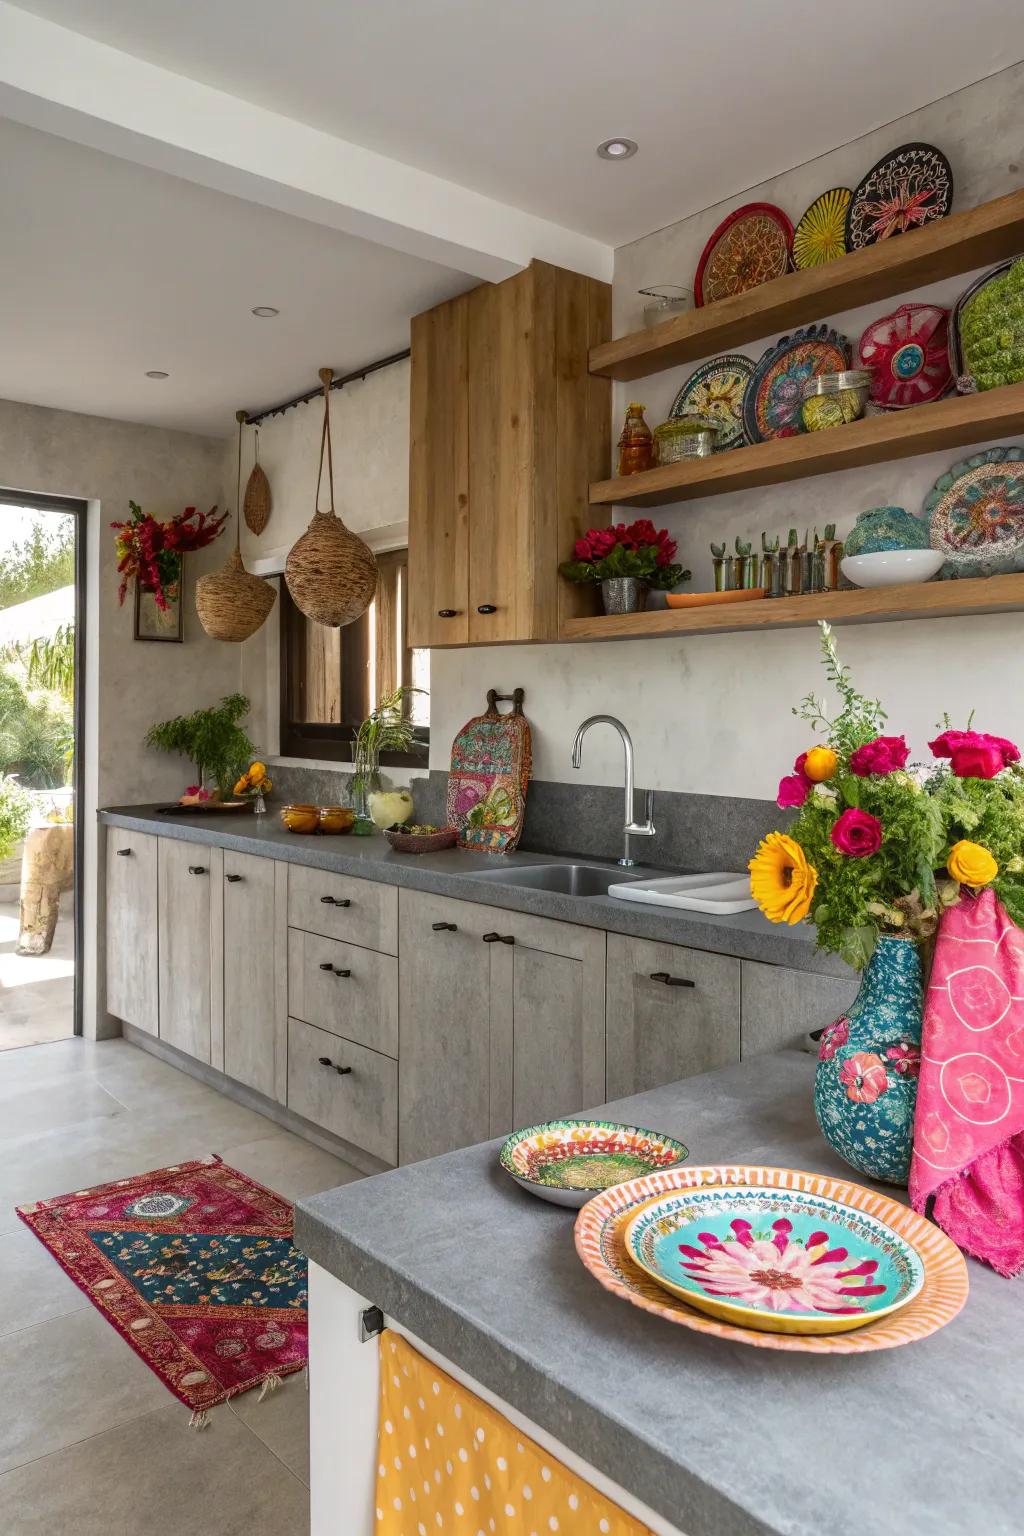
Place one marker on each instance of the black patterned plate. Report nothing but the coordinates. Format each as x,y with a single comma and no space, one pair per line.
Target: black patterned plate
715,391
908,188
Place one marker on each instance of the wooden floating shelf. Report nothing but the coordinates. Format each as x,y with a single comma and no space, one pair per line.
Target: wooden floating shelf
976,238
864,605
872,440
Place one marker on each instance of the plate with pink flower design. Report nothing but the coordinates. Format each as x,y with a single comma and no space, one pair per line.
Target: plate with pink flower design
783,1260
632,1239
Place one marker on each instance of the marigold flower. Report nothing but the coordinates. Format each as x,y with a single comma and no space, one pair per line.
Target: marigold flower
971,864
820,763
782,882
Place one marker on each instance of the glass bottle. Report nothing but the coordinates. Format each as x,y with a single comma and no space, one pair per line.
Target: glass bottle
636,445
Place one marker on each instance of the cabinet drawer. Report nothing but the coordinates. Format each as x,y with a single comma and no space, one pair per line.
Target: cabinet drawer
360,1106
350,991
342,907
659,1030
780,1007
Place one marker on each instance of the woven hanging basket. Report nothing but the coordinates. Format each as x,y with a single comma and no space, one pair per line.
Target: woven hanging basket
331,573
256,507
232,603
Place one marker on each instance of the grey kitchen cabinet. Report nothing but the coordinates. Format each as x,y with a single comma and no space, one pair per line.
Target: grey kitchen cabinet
350,991
501,1022
343,907
191,979
131,928
672,1012
345,1088
781,1006
255,1012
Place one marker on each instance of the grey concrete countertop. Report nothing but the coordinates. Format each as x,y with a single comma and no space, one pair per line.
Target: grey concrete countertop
747,935
722,1439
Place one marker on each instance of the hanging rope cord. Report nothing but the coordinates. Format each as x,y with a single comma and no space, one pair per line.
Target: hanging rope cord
240,418
326,375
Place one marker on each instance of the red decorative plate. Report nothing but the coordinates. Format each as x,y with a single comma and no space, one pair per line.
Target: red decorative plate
909,353
751,246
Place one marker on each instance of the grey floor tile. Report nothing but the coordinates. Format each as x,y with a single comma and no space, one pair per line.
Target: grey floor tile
291,1167
65,1380
281,1421
158,1477
33,1287
58,1106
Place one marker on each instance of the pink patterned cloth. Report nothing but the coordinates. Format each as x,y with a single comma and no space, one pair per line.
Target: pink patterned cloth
969,1122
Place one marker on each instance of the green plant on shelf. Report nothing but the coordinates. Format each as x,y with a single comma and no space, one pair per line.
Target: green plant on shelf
212,739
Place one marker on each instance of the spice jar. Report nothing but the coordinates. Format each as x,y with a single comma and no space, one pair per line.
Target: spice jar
636,444
832,399
684,437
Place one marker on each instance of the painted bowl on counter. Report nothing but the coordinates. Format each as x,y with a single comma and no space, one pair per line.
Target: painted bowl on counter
569,1161
404,840
777,1260
336,819
301,818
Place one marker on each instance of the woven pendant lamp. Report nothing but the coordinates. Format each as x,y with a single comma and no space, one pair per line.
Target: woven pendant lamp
331,573
256,506
232,603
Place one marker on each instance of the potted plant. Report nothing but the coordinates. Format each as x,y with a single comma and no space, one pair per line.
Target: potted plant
213,741
387,728
626,561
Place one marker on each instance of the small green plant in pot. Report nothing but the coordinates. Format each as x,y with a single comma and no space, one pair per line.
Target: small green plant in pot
214,742
387,728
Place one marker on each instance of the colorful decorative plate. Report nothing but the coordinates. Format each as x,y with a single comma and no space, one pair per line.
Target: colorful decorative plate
601,1244
771,405
909,353
909,187
977,514
821,233
781,1260
570,1161
709,599
750,247
715,392
957,361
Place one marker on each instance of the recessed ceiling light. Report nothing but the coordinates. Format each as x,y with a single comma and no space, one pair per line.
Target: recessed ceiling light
617,149
265,311
156,373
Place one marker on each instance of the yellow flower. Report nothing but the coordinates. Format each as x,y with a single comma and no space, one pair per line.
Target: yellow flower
971,864
257,771
781,880
242,785
820,764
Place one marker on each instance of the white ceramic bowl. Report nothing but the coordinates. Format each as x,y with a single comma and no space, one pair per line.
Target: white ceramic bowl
889,567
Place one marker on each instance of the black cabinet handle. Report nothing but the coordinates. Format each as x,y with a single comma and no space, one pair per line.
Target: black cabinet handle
197,869
671,981
233,878
343,1071
447,613
124,853
486,608
445,927
335,901
326,965
499,938
325,1061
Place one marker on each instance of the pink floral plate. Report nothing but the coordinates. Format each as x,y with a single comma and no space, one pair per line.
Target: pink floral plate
779,1271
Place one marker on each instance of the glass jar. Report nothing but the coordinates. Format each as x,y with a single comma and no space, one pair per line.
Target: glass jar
832,399
636,444
665,300
684,437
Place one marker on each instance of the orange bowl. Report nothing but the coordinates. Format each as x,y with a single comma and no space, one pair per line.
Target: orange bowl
300,818
707,599
337,819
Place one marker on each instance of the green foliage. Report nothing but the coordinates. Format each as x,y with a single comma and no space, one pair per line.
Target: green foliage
641,563
40,563
36,731
388,728
860,720
50,662
15,809
212,740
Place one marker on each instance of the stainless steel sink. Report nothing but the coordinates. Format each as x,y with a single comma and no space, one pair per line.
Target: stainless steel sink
566,879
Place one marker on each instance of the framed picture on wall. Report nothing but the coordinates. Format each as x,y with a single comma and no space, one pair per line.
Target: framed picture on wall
155,623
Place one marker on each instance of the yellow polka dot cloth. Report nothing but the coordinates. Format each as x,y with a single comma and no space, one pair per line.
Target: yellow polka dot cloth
450,1465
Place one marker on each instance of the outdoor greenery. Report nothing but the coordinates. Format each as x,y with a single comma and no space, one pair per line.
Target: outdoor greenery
36,731
15,809
50,662
39,563
212,740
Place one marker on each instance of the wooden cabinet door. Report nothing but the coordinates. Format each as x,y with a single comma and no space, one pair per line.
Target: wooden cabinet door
255,1023
189,907
659,1030
439,477
132,974
444,1003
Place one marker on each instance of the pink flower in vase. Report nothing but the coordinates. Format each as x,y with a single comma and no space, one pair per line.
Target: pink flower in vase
882,756
857,834
864,1077
793,791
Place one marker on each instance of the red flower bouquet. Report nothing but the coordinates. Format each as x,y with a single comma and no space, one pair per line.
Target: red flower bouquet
639,550
151,551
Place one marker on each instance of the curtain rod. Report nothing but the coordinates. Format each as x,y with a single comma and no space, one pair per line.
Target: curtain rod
256,417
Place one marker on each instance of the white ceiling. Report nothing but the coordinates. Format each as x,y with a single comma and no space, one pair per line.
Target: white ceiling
108,269
511,98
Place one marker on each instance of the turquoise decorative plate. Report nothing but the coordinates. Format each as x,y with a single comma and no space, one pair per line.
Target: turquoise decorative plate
977,514
779,1260
569,1161
715,392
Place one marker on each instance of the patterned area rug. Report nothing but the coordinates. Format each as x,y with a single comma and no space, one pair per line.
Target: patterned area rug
195,1268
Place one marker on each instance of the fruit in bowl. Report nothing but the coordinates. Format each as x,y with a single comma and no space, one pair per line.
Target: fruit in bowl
389,807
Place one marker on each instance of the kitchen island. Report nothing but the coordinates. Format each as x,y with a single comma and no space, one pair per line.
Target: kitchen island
711,1439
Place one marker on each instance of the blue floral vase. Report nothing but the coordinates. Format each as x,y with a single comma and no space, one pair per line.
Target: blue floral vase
865,1087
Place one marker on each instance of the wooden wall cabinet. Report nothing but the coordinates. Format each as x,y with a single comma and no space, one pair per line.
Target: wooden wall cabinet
507,430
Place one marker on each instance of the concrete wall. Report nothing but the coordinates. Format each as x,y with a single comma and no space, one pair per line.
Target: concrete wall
712,714
128,685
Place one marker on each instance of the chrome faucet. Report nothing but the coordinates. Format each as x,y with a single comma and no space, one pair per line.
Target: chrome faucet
631,828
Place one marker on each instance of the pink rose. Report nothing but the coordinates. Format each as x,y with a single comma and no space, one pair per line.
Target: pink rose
883,755
602,541
793,791
974,754
857,834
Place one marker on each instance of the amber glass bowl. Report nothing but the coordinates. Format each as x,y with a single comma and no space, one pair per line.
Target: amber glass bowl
301,818
337,819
